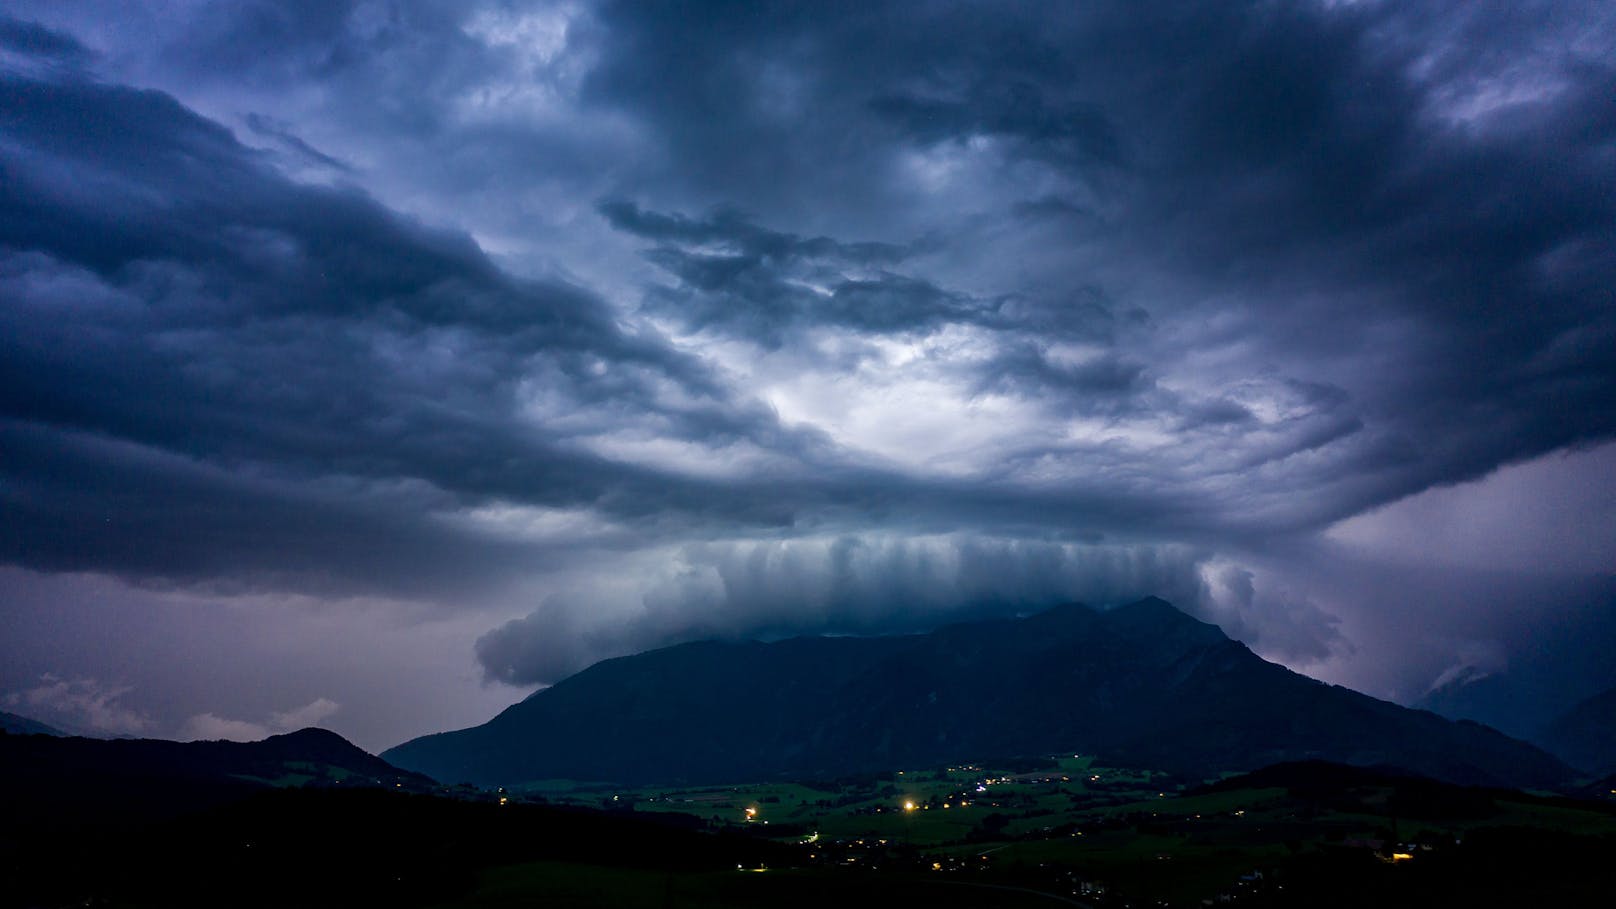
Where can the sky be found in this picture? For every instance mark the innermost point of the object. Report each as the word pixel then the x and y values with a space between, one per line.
pixel 372 364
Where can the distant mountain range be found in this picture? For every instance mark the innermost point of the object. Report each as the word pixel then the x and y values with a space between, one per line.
pixel 1142 685
pixel 1567 725
pixel 1558 661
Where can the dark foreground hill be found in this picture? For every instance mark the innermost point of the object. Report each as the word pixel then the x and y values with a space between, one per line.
pixel 303 819
pixel 330 847
pixel 1585 735
pixel 65 783
pixel 1143 684
pixel 1312 786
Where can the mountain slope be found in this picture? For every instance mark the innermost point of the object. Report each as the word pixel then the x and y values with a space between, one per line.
pixel 1554 663
pixel 1143 683
pixel 1585 735
pixel 21 725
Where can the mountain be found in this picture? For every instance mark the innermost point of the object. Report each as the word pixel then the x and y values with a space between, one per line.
pixel 1500 700
pixel 1585 735
pixel 66 782
pixel 21 725
pixel 1142 684
pixel 1559 659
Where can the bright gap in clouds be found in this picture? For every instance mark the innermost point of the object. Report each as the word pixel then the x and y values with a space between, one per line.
pixel 1552 515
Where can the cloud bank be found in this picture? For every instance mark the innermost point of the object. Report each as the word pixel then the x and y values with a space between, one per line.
pixel 207 727
pixel 739 320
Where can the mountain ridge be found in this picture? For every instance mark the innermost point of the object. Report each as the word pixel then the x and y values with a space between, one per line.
pixel 1143 683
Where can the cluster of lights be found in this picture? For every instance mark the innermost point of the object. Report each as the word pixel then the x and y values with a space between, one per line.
pixel 909 805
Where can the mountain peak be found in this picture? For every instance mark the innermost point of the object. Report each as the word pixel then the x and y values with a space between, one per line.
pixel 1143 683
pixel 1155 617
pixel 311 734
pixel 312 743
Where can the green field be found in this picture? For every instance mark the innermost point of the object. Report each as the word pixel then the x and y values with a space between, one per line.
pixel 925 808
pixel 1071 827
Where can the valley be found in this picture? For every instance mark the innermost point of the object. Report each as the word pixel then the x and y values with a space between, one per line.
pixel 308 820
pixel 1070 827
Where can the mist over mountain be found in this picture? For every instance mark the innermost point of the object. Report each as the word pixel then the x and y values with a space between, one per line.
pixel 1143 684
pixel 1539 673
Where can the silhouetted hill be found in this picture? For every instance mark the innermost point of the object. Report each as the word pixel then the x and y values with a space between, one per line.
pixel 330 847
pixel 302 819
pixel 1585 735
pixel 1316 785
pixel 1312 776
pixel 64 783
pixel 21 725
pixel 1143 684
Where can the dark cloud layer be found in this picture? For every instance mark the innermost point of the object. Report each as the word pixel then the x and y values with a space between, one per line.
pixel 176 306
pixel 1346 184
pixel 637 308
pixel 767 286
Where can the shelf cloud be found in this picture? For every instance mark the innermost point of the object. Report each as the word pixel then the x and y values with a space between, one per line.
pixel 600 326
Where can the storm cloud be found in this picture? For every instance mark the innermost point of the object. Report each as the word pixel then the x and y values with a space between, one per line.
pixel 841 585
pixel 609 325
